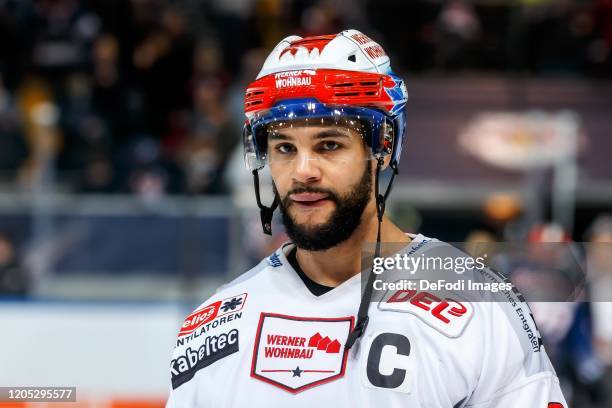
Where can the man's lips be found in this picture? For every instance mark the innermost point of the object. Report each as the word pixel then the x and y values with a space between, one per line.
pixel 309 199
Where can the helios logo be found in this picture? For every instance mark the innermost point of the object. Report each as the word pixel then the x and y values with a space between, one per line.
pixel 199 317
pixel 211 312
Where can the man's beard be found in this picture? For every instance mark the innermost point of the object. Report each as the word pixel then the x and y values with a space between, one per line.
pixel 343 221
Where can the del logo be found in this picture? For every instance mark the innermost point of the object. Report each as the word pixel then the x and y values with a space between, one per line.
pixel 211 312
pixel 448 316
pixel 297 353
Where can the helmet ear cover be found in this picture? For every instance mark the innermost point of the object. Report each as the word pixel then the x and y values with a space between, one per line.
pixel 254 156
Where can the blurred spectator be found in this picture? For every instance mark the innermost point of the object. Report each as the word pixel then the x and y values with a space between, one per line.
pixel 549 274
pixel 209 145
pixel 599 267
pixel 319 19
pixel 163 66
pixel 458 31
pixel 13 278
pixel 208 61
pixel 251 63
pixel 227 20
pixel 109 92
pixel 64 31
pixel 480 243
pixel 147 172
pixel 98 176
pixel 270 18
pixel 40 117
pixel 13 149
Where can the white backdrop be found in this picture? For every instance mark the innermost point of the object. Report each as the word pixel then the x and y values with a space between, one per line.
pixel 104 349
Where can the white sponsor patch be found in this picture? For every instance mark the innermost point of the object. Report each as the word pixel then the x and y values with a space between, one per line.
pixel 287 79
pixel 450 317
pixel 296 353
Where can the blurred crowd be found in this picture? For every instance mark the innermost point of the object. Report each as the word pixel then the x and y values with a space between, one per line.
pixel 569 289
pixel 145 96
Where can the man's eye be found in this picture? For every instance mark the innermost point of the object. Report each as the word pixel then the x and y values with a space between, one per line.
pixel 284 148
pixel 329 146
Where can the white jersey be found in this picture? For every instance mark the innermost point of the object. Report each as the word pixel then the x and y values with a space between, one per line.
pixel 265 340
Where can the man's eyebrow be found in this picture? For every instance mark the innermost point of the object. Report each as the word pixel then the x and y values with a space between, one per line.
pixel 331 133
pixel 278 136
pixel 320 135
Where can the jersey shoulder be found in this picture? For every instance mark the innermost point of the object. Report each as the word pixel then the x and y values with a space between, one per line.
pixel 496 315
pixel 232 297
pixel 227 300
pixel 212 331
pixel 456 299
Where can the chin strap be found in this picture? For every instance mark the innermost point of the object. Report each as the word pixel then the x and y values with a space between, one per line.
pixel 366 297
pixel 265 213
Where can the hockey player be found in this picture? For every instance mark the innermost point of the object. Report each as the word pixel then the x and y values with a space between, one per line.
pixel 326 114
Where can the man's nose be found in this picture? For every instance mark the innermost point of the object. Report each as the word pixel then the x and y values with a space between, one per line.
pixel 307 169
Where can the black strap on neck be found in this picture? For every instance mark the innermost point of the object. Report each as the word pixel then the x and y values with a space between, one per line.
pixel 265 213
pixel 366 297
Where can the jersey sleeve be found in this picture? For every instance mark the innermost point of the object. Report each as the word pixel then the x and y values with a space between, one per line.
pixel 170 401
pixel 516 371
pixel 540 390
pixel 184 362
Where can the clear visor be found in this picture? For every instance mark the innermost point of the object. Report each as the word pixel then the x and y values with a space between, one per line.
pixel 307 133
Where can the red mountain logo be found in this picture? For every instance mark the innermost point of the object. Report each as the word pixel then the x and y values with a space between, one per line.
pixel 324 343
pixel 279 346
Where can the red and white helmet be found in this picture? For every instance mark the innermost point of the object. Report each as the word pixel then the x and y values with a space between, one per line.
pixel 338 77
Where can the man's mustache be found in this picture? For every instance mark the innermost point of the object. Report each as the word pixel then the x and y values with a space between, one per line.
pixel 286 201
